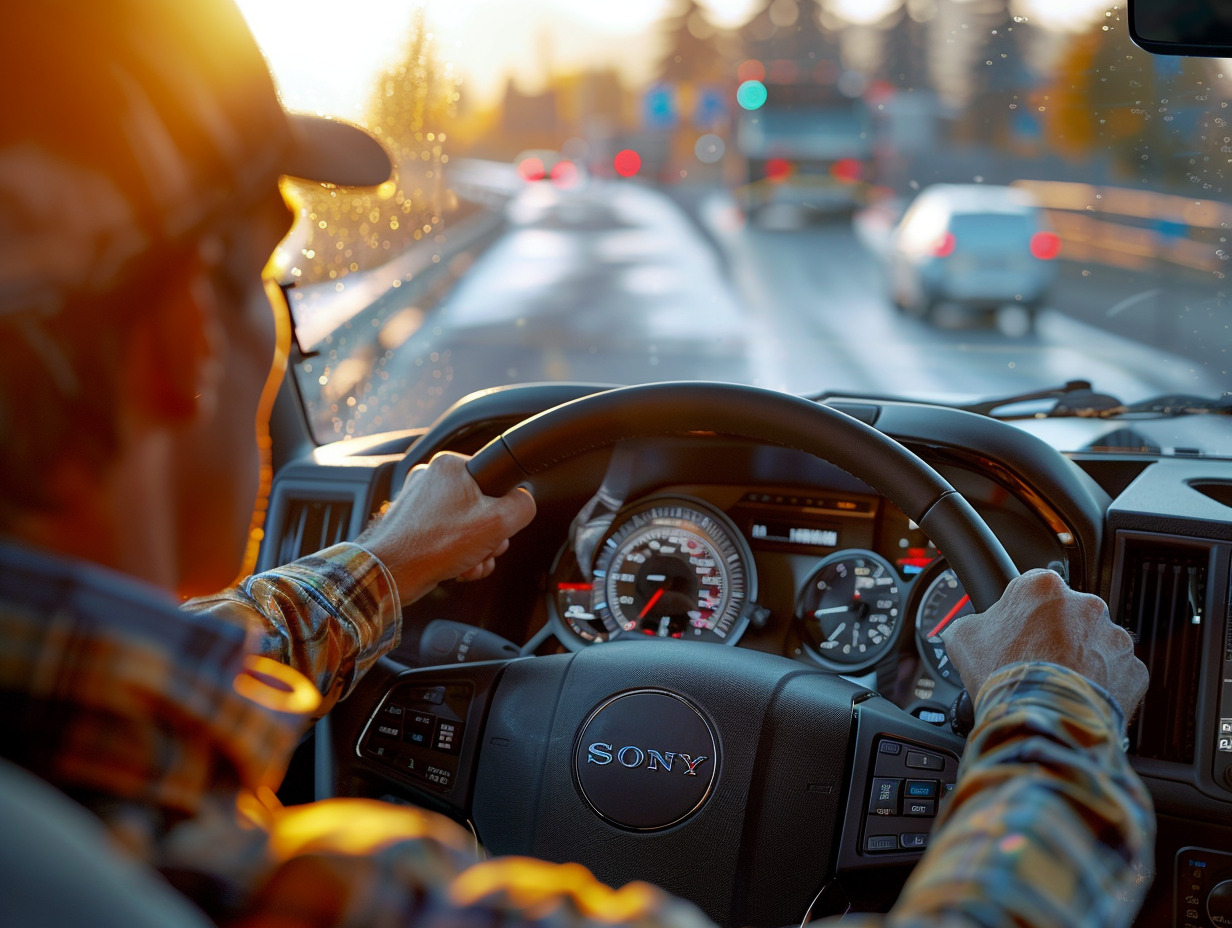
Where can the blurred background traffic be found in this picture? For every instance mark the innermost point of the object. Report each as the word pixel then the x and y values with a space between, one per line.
pixel 934 197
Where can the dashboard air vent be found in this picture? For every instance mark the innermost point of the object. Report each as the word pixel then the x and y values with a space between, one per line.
pixel 310 525
pixel 1163 601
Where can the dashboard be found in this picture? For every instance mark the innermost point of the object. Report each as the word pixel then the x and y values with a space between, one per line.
pixel 825 572
pixel 766 549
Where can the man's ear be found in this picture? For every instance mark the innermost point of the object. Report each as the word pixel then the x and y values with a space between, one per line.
pixel 177 348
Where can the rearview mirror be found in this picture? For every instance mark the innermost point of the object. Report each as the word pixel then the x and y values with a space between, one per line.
pixel 1201 28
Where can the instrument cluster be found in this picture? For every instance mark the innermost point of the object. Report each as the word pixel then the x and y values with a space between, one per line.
pixel 842 581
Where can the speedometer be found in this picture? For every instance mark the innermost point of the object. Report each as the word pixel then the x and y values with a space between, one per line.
pixel 674 568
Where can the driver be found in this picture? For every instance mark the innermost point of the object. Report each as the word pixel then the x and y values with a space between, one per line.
pixel 139 166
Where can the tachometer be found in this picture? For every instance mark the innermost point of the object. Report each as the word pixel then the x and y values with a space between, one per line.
pixel 850 608
pixel 944 601
pixel 674 568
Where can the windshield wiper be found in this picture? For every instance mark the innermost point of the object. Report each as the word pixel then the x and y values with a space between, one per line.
pixel 1075 399
pixel 1078 400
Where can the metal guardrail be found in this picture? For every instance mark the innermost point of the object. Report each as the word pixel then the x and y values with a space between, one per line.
pixel 1129 228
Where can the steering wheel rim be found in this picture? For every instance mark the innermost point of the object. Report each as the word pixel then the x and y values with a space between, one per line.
pixel 768 416
pixel 791 749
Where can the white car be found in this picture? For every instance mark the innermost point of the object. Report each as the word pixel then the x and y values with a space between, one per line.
pixel 977 246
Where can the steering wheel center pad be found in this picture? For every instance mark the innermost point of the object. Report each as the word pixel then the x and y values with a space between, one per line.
pixel 651 410
pixel 768 821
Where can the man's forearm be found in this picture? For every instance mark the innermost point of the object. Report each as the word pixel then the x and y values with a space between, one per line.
pixel 329 615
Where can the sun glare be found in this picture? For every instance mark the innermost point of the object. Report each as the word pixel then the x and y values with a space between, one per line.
pixel 326 62
pixel 323 61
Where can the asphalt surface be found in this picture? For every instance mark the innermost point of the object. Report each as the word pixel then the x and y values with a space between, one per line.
pixel 617 283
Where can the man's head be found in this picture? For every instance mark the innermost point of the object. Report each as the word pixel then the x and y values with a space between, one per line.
pixel 140 154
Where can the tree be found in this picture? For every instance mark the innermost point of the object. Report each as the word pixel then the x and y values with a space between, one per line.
pixel 342 231
pixel 903 61
pixel 789 31
pixel 1148 116
pixel 694 53
pixel 1000 75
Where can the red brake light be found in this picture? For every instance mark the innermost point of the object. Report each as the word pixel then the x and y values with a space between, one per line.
pixel 531 169
pixel 627 162
pixel 564 174
pixel 778 170
pixel 847 170
pixel 1045 245
pixel 944 246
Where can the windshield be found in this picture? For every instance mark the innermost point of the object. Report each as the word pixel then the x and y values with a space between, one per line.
pixel 933 199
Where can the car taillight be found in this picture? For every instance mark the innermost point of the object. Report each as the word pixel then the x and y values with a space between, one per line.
pixel 847 170
pixel 627 162
pixel 778 170
pixel 564 174
pixel 1045 245
pixel 531 169
pixel 944 246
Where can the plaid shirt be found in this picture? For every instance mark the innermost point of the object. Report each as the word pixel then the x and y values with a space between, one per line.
pixel 174 725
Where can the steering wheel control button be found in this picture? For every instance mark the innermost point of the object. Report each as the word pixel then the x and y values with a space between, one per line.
pixel 646 759
pixel 922 761
pixel 419 726
pixel 900 801
pixel 885 796
pixel 389 730
pixel 417 732
pixel 448 736
pixel 921 789
pixel 881 843
pixel 920 808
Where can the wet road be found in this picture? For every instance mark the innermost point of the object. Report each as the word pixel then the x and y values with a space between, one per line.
pixel 615 283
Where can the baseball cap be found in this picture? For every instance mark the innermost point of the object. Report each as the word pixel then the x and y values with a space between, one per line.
pixel 129 126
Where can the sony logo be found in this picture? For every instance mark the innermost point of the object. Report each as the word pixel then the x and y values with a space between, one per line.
pixel 602 753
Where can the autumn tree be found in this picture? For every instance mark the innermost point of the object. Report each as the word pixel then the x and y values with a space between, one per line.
pixel 1148 116
pixel 342 231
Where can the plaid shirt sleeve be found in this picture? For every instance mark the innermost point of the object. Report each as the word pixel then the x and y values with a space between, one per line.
pixel 329 615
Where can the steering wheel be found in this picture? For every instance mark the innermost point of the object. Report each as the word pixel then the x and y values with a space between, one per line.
pixel 736 779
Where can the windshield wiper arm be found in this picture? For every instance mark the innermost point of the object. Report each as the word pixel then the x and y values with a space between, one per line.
pixel 1073 398
pixel 1181 404
pixel 1076 399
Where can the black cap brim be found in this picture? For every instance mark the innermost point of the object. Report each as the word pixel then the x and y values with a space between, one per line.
pixel 335 152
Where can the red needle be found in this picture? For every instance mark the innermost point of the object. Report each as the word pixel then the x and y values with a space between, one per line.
pixel 650 602
pixel 949 616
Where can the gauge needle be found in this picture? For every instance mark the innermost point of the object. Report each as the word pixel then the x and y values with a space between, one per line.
pixel 833 609
pixel 949 616
pixel 650 602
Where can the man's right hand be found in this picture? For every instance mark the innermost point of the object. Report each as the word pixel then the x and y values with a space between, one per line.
pixel 442 527
pixel 1039 618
